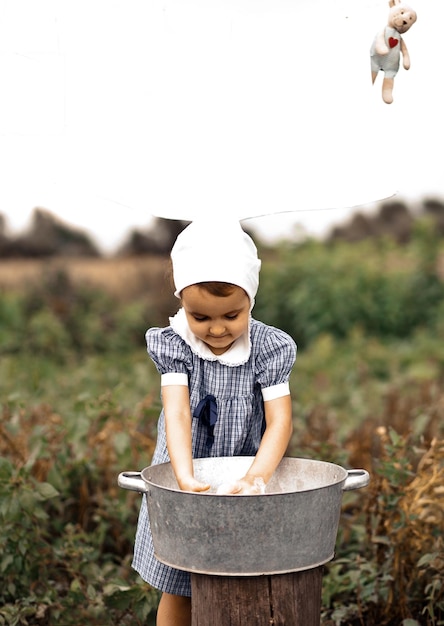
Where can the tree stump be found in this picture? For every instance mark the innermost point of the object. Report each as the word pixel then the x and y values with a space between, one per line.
pixel 292 599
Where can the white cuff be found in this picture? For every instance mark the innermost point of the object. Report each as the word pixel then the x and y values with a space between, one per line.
pixel 173 378
pixel 277 391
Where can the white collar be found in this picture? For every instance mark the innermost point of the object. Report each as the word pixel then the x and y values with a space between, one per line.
pixel 237 354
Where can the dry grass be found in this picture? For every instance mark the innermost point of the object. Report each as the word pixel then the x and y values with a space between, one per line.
pixel 123 278
pixel 415 529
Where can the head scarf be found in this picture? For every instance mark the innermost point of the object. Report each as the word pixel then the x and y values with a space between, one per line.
pixel 207 251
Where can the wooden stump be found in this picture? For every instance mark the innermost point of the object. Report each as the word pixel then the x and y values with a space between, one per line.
pixel 284 599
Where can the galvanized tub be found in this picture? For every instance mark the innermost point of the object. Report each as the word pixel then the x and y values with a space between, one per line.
pixel 291 527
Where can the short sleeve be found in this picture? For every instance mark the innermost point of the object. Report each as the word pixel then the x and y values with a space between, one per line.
pixel 168 351
pixel 275 361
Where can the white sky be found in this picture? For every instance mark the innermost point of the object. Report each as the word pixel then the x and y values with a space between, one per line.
pixel 115 110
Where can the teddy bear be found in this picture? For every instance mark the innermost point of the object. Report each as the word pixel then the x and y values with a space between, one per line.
pixel 388 46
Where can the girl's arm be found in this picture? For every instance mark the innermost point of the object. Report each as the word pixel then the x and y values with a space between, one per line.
pixel 279 427
pixel 176 404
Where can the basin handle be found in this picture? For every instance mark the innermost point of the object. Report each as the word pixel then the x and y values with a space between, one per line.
pixel 356 479
pixel 132 481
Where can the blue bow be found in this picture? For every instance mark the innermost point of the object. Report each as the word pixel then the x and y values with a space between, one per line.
pixel 206 411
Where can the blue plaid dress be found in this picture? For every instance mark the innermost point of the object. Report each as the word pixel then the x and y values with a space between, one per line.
pixel 240 421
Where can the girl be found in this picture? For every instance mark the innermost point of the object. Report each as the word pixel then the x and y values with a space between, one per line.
pixel 224 381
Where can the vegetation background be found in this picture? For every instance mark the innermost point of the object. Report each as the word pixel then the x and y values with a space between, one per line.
pixel 80 400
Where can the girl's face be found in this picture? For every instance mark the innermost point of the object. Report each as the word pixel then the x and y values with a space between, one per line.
pixel 217 321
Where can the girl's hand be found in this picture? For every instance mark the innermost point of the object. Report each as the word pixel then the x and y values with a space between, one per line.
pixel 191 484
pixel 247 486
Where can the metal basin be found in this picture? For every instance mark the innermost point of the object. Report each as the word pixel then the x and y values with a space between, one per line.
pixel 292 527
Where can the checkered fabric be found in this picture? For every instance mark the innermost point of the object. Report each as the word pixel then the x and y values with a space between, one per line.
pixel 239 426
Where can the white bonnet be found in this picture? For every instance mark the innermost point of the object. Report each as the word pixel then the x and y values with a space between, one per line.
pixel 209 251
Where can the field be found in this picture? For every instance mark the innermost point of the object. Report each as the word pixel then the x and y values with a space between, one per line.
pixel 122 278
pixel 80 398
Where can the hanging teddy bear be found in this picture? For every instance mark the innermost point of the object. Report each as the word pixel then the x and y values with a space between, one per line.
pixel 388 46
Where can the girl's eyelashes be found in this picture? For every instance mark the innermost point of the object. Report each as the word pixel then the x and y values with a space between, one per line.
pixel 204 318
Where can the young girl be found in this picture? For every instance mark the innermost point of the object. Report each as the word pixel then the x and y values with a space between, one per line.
pixel 224 381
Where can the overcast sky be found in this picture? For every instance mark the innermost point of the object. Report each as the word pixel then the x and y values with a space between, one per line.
pixel 116 110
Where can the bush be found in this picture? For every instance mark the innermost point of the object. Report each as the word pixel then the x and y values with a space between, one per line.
pixel 55 317
pixel 308 290
pixel 67 530
pixel 389 567
pixel 12 323
pixel 313 289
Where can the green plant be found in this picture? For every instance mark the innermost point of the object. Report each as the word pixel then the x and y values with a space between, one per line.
pixel 67 529
pixel 313 289
pixel 390 563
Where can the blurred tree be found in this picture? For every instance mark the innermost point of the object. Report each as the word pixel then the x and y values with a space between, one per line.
pixel 48 236
pixel 158 239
